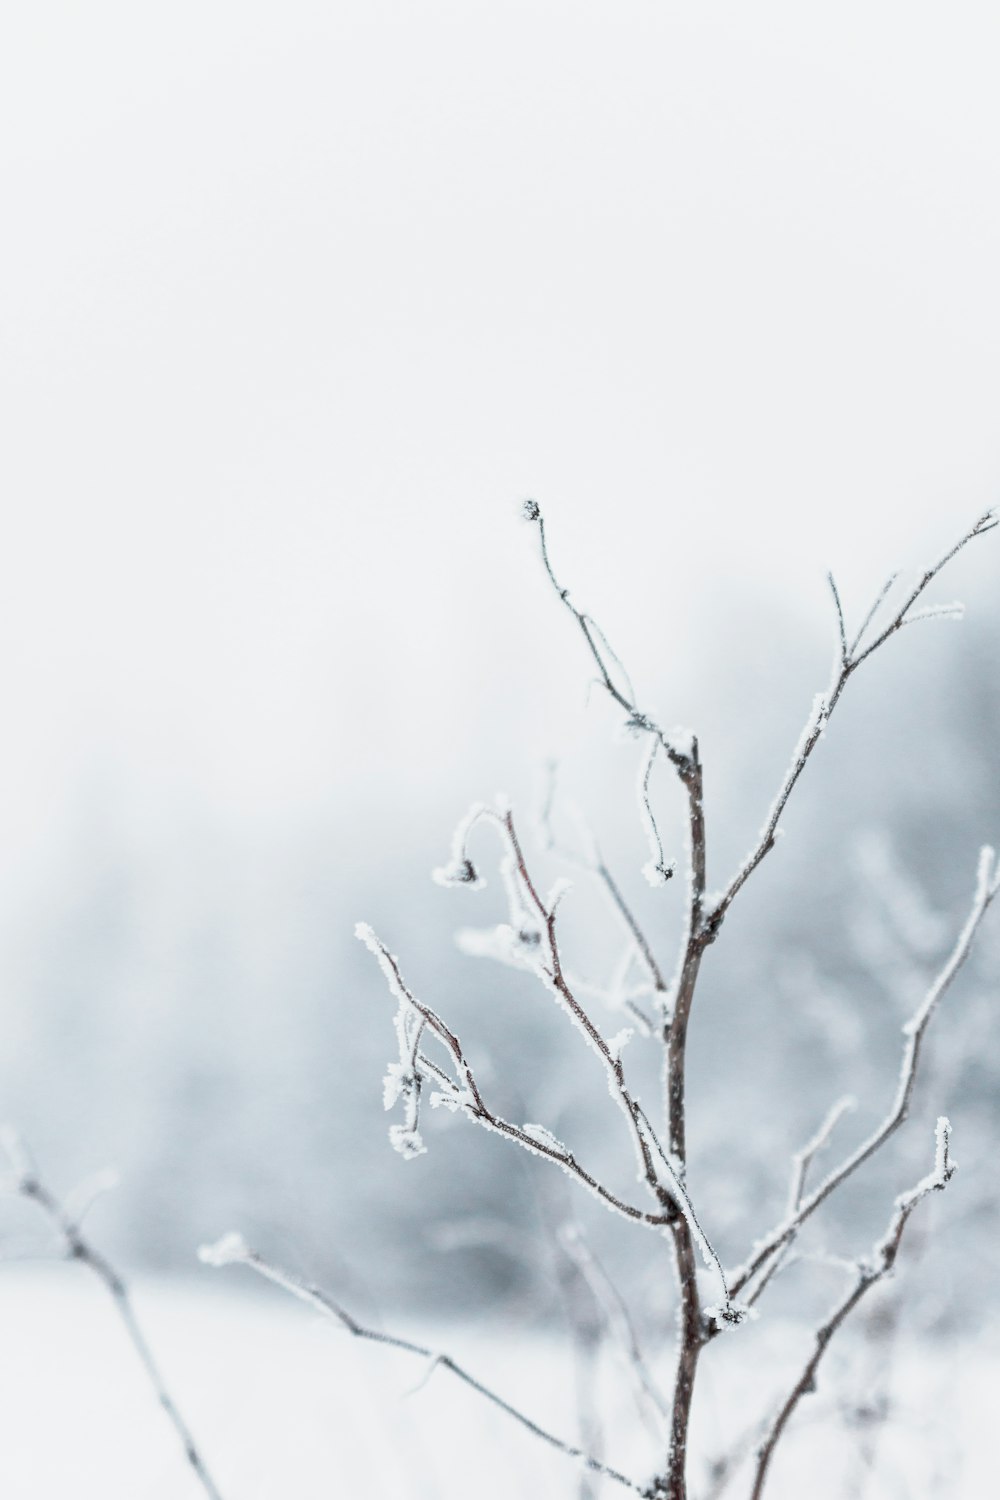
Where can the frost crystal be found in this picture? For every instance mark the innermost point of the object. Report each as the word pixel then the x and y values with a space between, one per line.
pixel 732 1315
pixel 619 1041
pixel 518 949
pixel 460 870
pixel 407 1141
pixel 545 1138
pixel 397 1084
pixel 229 1251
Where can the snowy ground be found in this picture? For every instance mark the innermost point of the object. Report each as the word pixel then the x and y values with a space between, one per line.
pixel 284 1407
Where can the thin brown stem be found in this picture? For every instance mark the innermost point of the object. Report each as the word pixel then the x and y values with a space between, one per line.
pixel 77 1247
pixel 847 664
pixel 231 1250
pixel 987 887
pixel 869 1273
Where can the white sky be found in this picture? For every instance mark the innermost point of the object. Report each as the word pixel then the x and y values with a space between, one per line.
pixel 299 301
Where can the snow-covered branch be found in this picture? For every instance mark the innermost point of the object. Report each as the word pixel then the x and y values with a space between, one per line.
pixel 466 1095
pixel 849 659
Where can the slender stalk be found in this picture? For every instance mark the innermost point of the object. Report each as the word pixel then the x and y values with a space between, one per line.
pixel 232 1250
pixel 868 1274
pixel 987 889
pixel 79 1248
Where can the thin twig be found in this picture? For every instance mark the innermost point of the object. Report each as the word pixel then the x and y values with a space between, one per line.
pixel 637 720
pixel 873 610
pixel 868 1273
pixel 801 1162
pixel 987 887
pixel 824 705
pixel 232 1250
pixel 839 608
pixel 76 1247
pixel 469 1098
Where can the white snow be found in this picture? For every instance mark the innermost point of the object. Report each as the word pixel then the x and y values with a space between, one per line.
pixel 282 1404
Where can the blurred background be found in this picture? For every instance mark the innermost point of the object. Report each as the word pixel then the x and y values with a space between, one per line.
pixel 299 303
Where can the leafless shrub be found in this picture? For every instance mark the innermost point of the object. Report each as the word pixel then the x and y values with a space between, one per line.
pixel 432 1064
pixel 432 1067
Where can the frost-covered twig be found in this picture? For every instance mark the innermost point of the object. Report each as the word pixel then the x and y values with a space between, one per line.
pixel 464 1094
pixel 595 639
pixel 701 927
pixel 868 1273
pixel 801 1162
pixel 76 1247
pixel 662 1175
pixel 849 659
pixel 987 887
pixel 233 1250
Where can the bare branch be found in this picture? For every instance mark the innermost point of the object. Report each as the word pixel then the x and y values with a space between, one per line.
pixel 232 1250
pixel 656 869
pixel 824 705
pixel 841 627
pixel 75 1247
pixel 868 1273
pixel 625 699
pixel 470 1100
pixel 662 1175
pixel 876 605
pixel 986 522
pixel 801 1162
pixel 987 886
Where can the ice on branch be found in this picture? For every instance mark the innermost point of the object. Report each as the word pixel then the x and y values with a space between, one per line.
pixel 560 889
pixel 543 1137
pixel 953 611
pixel 620 1040
pixel 518 949
pixel 729 1316
pixel 460 870
pixel 448 1096
pixel 397 1084
pixel 656 869
pixel 402 1078
pixel 407 1140
pixel 231 1250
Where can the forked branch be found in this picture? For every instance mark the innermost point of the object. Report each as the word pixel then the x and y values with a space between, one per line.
pixel 867 1274
pixel 987 888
